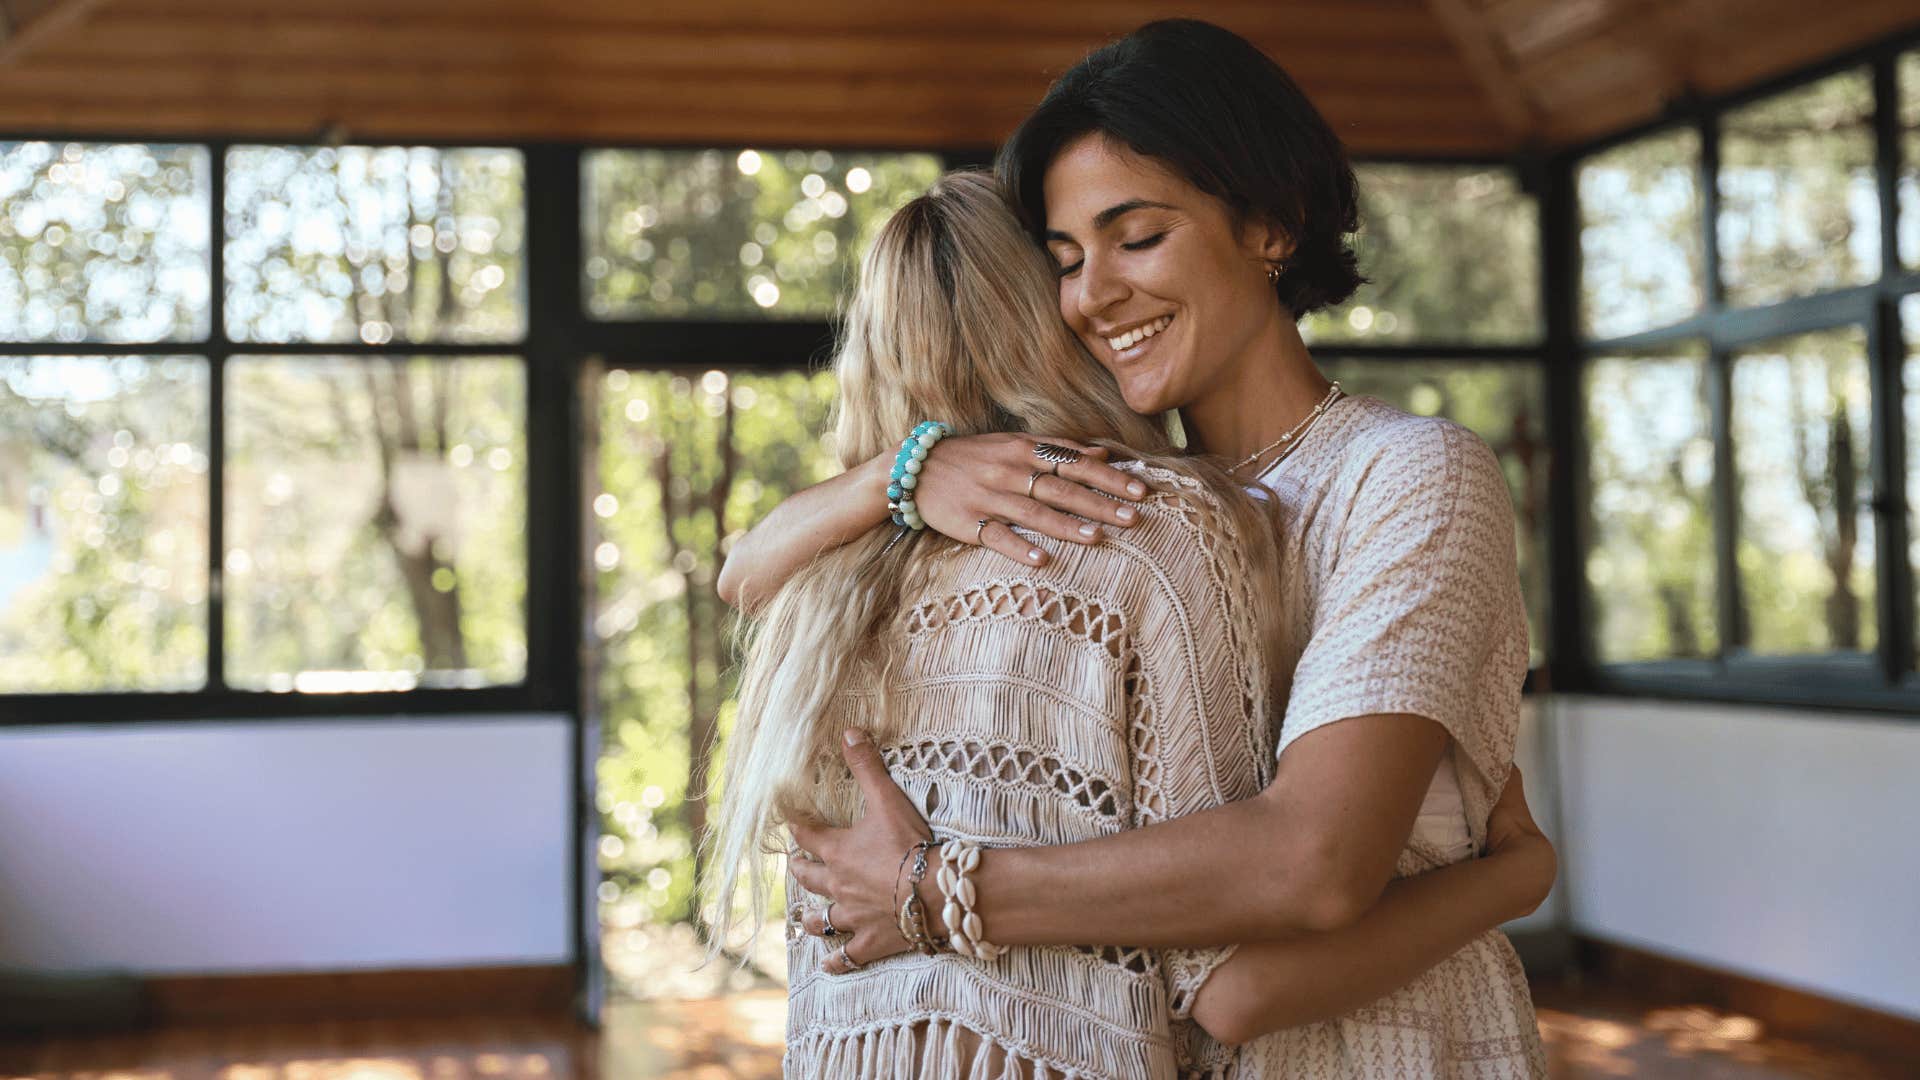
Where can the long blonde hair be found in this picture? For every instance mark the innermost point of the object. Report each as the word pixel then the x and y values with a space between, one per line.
pixel 955 318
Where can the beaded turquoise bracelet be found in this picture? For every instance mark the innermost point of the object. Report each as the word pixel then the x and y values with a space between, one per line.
pixel 905 475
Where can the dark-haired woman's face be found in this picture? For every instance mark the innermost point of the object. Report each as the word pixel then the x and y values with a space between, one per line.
pixel 1155 277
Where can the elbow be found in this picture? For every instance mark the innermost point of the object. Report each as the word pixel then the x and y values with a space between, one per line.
pixel 1232 1019
pixel 1328 891
pixel 1228 1006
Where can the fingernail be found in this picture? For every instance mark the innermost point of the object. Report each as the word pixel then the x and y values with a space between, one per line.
pixel 1125 513
pixel 854 736
pixel 1035 555
pixel 1136 490
pixel 1089 531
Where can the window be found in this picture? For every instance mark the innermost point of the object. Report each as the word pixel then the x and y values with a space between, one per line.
pixel 1799 210
pixel 376 512
pixel 1801 440
pixel 375 244
pixel 1735 537
pixel 1650 562
pixel 370 508
pixel 1642 263
pixel 1452 254
pixel 103 242
pixel 717 234
pixel 1908 177
pixel 103 523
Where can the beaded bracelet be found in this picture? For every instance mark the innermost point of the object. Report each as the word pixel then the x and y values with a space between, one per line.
pixel 965 931
pixel 905 475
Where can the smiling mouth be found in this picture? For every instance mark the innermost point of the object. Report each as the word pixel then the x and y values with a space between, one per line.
pixel 1139 334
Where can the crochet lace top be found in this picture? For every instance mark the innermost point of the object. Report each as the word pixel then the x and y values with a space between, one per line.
pixel 1117 686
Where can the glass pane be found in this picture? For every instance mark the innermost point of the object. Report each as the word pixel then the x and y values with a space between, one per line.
pixel 1453 254
pixel 1503 404
pixel 1910 375
pixel 1650 562
pixel 104 242
pixel 720 234
pixel 1799 209
pixel 687 461
pixel 103 523
pixel 376 523
pixel 1908 75
pixel 375 244
pixel 1802 435
pixel 1641 250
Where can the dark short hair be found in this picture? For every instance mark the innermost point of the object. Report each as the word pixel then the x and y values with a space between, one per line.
pixel 1220 113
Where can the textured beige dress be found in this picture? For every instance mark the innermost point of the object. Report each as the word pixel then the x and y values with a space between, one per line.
pixel 1118 686
pixel 1401 578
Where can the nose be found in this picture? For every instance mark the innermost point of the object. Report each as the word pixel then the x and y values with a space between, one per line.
pixel 1100 287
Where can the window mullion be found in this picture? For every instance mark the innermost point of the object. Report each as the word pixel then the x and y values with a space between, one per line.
pixel 218 348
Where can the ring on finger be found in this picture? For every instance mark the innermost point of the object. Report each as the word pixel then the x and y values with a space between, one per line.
pixel 1057 454
pixel 1034 479
pixel 980 529
pixel 826 921
pixel 846 961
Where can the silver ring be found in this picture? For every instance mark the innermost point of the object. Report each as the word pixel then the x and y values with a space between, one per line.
pixel 979 529
pixel 826 921
pixel 1058 455
pixel 1034 479
pixel 850 962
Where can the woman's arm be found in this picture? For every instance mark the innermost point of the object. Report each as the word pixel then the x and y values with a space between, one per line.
pixel 966 478
pixel 1419 922
pixel 1311 852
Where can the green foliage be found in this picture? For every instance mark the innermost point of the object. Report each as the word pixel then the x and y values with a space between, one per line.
pixel 375 244
pixel 103 242
pixel 1643 263
pixel 103 523
pixel 687 461
pixel 1452 254
pixel 673 233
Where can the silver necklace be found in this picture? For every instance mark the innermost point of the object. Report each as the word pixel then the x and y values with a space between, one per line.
pixel 1287 441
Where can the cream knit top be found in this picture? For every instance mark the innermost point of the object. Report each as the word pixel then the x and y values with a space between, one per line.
pixel 1402 589
pixel 1117 686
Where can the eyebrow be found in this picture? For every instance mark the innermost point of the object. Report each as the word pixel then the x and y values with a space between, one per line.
pixel 1112 214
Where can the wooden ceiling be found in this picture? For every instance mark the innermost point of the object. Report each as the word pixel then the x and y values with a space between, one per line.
pixel 1466 77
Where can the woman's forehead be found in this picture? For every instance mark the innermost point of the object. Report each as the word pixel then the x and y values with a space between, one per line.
pixel 1094 174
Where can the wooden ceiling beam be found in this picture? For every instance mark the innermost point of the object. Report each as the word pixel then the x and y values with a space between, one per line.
pixel 350 43
pixel 1088 22
pixel 405 123
pixel 28 24
pixel 1487 59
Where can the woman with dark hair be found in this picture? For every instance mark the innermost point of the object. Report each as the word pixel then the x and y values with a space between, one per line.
pixel 1195 206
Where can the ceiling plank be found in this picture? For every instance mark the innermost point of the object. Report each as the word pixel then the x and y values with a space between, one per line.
pixel 1488 61
pixel 31 23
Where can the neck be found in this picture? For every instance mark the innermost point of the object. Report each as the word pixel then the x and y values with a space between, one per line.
pixel 1271 387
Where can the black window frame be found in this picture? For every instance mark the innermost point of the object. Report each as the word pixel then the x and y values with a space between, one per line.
pixel 1886 685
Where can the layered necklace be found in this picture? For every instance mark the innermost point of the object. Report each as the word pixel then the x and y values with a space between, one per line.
pixel 1286 443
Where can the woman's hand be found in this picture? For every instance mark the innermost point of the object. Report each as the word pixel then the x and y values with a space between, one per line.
pixel 1512 836
pixel 859 867
pixel 969 477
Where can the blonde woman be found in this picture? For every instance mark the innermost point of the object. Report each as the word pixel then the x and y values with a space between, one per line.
pixel 1115 686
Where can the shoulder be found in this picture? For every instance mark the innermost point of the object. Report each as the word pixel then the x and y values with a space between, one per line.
pixel 1168 553
pixel 1392 460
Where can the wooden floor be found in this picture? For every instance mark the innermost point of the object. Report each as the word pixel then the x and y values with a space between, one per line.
pixel 1589 1032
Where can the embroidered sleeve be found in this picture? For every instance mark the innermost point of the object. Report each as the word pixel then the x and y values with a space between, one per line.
pixel 1421 611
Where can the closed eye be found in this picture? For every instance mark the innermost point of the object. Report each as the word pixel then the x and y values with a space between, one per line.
pixel 1066 271
pixel 1142 245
